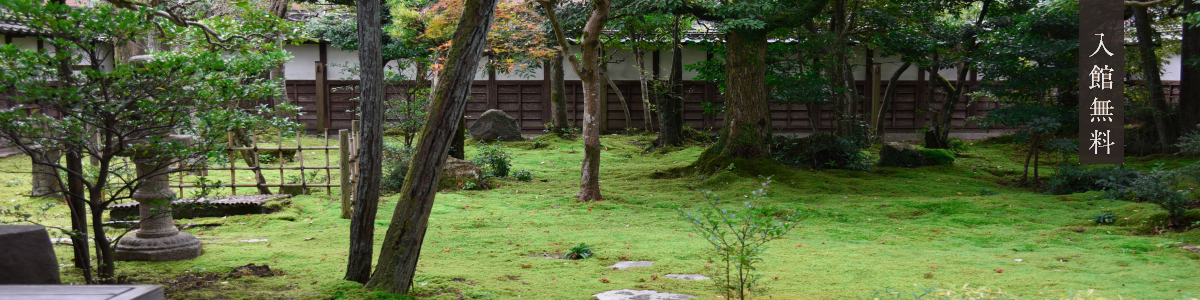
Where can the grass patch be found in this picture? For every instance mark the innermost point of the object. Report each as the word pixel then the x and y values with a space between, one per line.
pixel 865 232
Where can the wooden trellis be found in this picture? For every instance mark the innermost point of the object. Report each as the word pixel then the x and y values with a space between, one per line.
pixel 347 162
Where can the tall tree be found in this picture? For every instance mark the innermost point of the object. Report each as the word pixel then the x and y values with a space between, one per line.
pixel 1189 79
pixel 370 168
pixel 402 246
pixel 746 27
pixel 1152 75
pixel 588 69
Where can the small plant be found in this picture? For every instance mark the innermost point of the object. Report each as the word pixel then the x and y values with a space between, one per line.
pixel 987 192
pixel 737 240
pixel 205 187
pixel 11 182
pixel 469 186
pixel 580 251
pixel 1189 144
pixel 523 175
pixel 396 158
pixel 957 145
pixel 494 159
pixel 537 144
pixel 1105 218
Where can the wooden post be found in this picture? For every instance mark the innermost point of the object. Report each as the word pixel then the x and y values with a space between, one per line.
pixel 354 140
pixel 493 93
pixel 328 176
pixel 344 171
pixel 322 97
pixel 232 166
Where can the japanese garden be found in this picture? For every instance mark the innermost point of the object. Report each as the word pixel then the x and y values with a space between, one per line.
pixel 600 149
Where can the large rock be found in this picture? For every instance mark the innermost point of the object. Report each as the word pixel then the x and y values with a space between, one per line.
pixel 495 125
pixel 26 256
pixel 897 154
pixel 45 178
pixel 461 174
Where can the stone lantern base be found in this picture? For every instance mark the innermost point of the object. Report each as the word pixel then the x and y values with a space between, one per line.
pixel 181 246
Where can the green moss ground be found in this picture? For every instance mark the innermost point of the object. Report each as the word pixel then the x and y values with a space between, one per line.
pixel 866 231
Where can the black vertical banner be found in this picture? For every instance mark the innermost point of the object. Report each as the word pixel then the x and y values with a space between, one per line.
pixel 1101 82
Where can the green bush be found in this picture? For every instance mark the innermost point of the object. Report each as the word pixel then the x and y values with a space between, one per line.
pixel 580 251
pixel 1189 144
pixel 893 157
pixel 1074 178
pixel 396 158
pixel 494 159
pixel 523 175
pixel 820 151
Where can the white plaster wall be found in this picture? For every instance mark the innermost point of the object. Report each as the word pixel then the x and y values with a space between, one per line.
pixel 302 66
pixel 25 42
pixel 343 59
pixel 1173 68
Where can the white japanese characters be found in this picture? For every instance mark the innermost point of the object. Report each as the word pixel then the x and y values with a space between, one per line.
pixel 1100 140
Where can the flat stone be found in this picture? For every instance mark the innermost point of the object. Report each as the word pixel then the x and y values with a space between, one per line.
pixel 640 295
pixel 254 240
pixel 554 256
pixel 688 276
pixel 630 264
pixel 81 292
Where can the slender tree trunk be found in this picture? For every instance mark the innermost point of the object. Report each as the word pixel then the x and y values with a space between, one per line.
pixel 620 96
pixel 1149 61
pixel 670 105
pixel 402 246
pixel 1189 79
pixel 939 136
pixel 242 137
pixel 278 8
pixel 593 82
pixel 888 94
pixel 639 57
pixel 558 95
pixel 747 129
pixel 77 204
pixel 105 269
pixel 366 195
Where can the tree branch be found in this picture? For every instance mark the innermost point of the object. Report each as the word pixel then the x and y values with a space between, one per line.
pixel 1145 4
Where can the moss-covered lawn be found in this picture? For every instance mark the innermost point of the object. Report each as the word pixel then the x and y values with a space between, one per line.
pixel 865 232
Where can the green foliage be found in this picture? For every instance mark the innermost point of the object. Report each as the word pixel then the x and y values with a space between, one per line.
pixel 1163 188
pixel 821 151
pixel 494 159
pixel 205 187
pixel 1189 144
pixel 579 251
pixel 523 176
pixel 406 116
pixel 1075 178
pixel 737 238
pixel 958 146
pixel 1105 218
pixel 396 158
pixel 987 192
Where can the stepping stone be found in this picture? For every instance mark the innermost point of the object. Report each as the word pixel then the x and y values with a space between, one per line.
pixel 640 295
pixel 254 240
pixel 687 276
pixel 630 264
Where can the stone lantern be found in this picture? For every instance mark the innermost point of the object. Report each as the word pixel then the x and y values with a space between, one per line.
pixel 157 239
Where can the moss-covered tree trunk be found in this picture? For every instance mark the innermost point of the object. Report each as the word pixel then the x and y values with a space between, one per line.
pixel 670 105
pixel 746 132
pixel 402 245
pixel 370 168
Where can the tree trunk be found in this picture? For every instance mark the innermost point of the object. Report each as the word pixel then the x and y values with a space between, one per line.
pixel 747 129
pixel 593 82
pixel 670 105
pixel 888 94
pixel 1149 61
pixel 77 203
pixel 620 96
pixel 278 8
pixel 402 245
pixel 366 194
pixel 558 95
pixel 1189 79
pixel 242 137
pixel 458 148
pixel 639 57
pixel 105 269
pixel 938 137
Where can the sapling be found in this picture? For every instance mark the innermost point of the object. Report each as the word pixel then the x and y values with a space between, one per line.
pixel 737 240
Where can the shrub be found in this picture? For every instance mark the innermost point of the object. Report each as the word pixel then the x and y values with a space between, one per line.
pixel 1074 178
pixel 893 155
pixel 937 157
pixel 396 158
pixel 523 175
pixel 821 151
pixel 1159 187
pixel 737 240
pixel 580 251
pixel 494 159
pixel 1105 218
pixel 1189 144
pixel 957 145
